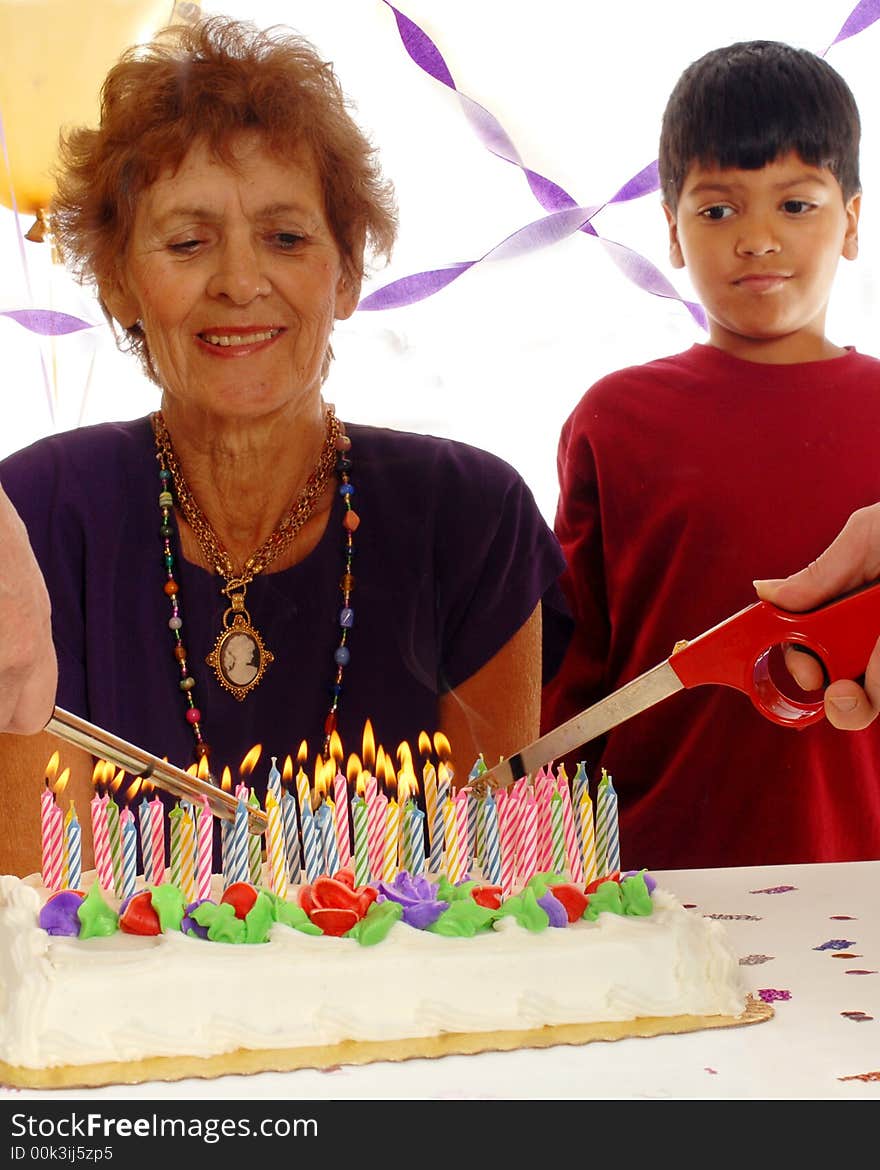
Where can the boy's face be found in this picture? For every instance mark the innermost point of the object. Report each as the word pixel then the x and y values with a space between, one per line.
pixel 762 248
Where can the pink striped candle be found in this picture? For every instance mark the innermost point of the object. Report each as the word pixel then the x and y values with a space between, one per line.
pixel 545 840
pixel 462 831
pixel 507 841
pixel 51 825
pixel 204 849
pixel 101 843
pixel 157 839
pixel 527 855
pixel 340 819
pixel 376 803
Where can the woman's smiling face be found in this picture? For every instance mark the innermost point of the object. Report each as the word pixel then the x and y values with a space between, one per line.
pixel 236 278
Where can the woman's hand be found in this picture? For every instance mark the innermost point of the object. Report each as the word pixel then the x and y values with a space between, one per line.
pixel 852 559
pixel 28 667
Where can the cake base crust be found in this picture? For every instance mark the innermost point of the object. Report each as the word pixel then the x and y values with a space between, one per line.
pixel 246 1061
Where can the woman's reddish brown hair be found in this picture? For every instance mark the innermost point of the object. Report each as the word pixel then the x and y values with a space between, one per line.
pixel 209 81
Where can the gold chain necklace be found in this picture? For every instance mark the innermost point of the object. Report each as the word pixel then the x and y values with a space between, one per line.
pixel 240 657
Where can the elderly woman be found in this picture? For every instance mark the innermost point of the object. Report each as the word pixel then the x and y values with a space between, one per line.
pixel 240 568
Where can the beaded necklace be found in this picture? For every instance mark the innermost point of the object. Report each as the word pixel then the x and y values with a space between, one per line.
pixel 338 445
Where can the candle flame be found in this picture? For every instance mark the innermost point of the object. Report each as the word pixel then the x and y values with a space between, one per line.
pixel 61 783
pixel 250 760
pixel 287 771
pixel 441 746
pixel 204 769
pixel 134 788
pixel 52 768
pixel 404 757
pixel 425 745
pixel 116 782
pixel 301 753
pixel 226 779
pixel 386 773
pixel 336 752
pixel 369 746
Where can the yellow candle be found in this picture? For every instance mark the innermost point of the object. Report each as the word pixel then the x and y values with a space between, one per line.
pixel 392 841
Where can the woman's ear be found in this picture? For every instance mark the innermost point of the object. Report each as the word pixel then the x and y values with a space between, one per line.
pixel 121 304
pixel 676 259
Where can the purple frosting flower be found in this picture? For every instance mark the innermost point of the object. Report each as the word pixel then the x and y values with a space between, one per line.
pixel 58 915
pixel 417 896
pixel 554 909
pixel 188 925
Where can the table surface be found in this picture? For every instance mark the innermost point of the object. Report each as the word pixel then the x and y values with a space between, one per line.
pixel 808 937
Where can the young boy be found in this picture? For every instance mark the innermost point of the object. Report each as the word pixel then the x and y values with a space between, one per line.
pixel 684 479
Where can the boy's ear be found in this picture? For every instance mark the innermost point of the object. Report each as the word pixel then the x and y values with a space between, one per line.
pixel 853 208
pixel 676 259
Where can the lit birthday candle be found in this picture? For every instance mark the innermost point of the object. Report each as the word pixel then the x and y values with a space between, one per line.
pixel 452 852
pixel 392 841
pixel 313 853
pixel 157 839
pixel 361 843
pixel 326 826
pixel 438 833
pixel 101 842
pixel 174 819
pixel 255 846
pixel 52 844
pixel 276 859
pixel 73 847
pixel 289 824
pixel 128 848
pixel 429 787
pixel 144 828
pixel 237 847
pixel 273 784
pixel 204 849
pixel 340 819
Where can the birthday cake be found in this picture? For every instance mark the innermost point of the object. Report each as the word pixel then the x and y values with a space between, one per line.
pixel 94 990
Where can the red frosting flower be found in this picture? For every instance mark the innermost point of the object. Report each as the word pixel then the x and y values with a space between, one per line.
pixel 334 903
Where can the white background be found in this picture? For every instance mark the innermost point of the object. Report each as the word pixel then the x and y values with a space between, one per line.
pixel 501 355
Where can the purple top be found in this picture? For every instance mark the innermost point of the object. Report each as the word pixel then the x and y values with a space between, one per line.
pixel 451 557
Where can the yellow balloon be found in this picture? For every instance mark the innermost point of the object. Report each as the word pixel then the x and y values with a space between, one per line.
pixel 55 56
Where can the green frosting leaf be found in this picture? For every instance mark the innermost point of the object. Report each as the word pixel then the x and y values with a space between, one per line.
pixel 259 920
pixel 376 923
pixel 447 892
pixel 96 919
pixel 637 898
pixel 539 882
pixel 608 898
pixel 168 903
pixel 220 921
pixel 463 919
pixel 525 909
pixel 293 915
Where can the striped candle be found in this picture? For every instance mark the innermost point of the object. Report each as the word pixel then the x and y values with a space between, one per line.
pixel 73 847
pixel 607 839
pixel 146 840
pixel 556 834
pixel 588 837
pixel 377 804
pixel 187 858
pixel 313 854
pixel 204 849
pixel 101 843
pixel 128 850
pixel 276 859
pixel 438 832
pixel 507 841
pixel 51 826
pixel 174 818
pixel 361 844
pixel 303 794
pixel 291 836
pixel 115 839
pixel 429 785
pixel 273 784
pixel 326 825
pixel 491 841
pixel 572 844
pixel 157 836
pixel 545 835
pixel 450 840
pixel 391 843
pixel 527 853
pixel 340 818
pixel 237 855
pixel 462 829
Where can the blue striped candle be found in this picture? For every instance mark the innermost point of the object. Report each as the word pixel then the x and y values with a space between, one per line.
pixel 607 838
pixel 291 836
pixel 128 845
pixel 491 842
pixel 73 845
pixel 327 832
pixel 313 855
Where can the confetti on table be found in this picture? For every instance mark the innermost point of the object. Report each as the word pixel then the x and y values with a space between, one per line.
pixel 735 917
pixel 835 944
pixel 755 960
pixel 868 1076
pixel 774 890
pixel 857 1017
pixel 771 994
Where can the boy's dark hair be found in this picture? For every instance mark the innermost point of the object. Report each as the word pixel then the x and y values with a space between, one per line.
pixel 748 103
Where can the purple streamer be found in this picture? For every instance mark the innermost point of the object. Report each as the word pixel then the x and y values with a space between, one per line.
pixel 47 322
pixel 862 16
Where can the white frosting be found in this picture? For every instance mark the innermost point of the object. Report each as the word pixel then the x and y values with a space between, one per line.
pixel 69 1001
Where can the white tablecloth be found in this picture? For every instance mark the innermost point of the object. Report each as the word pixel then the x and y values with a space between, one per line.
pixel 808 937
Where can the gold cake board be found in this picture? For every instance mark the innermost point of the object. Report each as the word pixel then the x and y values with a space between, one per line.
pixel 245 1061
